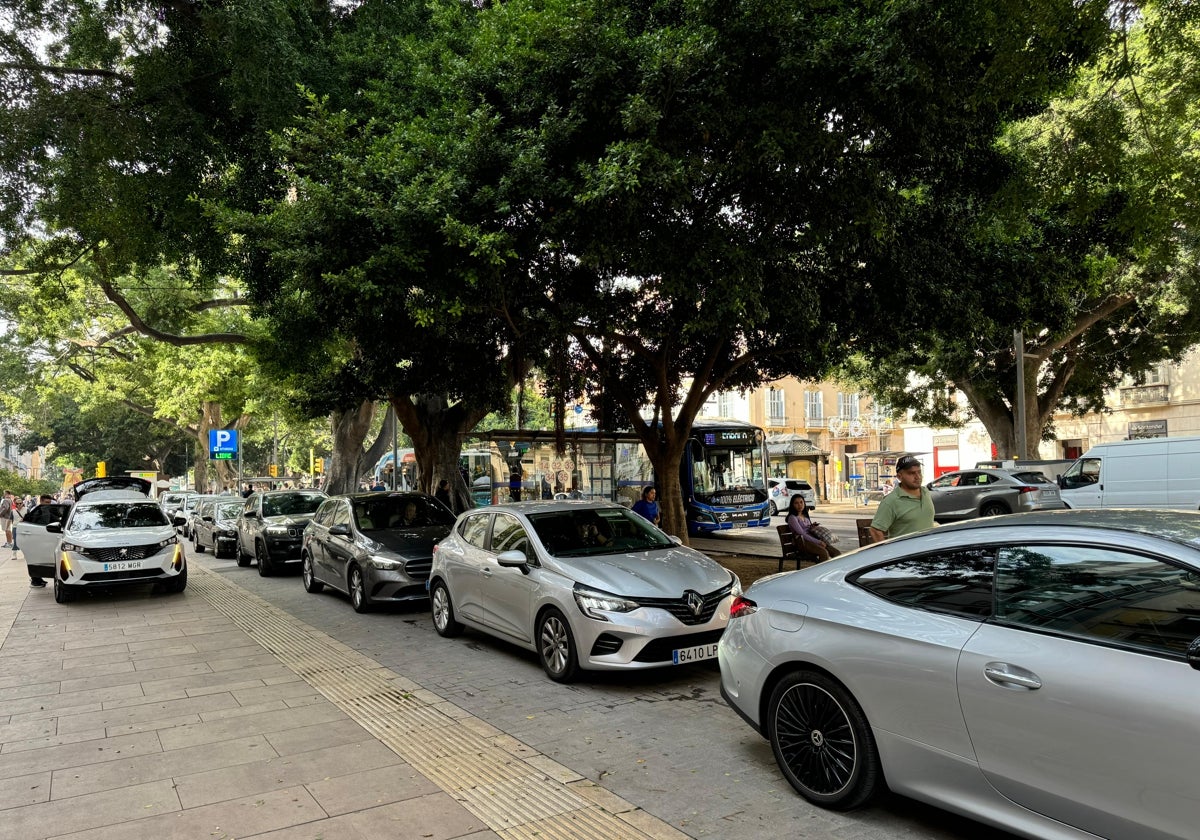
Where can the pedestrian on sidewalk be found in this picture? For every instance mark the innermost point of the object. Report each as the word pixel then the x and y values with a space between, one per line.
pixel 906 510
pixel 7 509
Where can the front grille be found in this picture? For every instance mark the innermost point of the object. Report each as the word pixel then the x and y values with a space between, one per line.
pixel 659 650
pixel 128 552
pixel 605 644
pixel 419 569
pixel 679 607
pixel 130 574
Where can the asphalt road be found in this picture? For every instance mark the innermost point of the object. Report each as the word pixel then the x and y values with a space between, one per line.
pixel 663 740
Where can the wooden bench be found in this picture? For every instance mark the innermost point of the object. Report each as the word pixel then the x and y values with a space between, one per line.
pixel 864 531
pixel 792 550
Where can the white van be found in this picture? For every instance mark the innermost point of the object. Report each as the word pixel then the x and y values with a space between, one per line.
pixel 1147 473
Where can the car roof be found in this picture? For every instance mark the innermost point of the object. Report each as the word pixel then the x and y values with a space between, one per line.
pixel 550 506
pixel 1181 526
pixel 308 491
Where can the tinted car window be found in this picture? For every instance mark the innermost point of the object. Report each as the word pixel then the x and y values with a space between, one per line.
pixel 474 529
pixel 288 504
pixel 958 582
pixel 1103 594
pixel 950 480
pixel 340 515
pixel 134 515
pixel 45 514
pixel 1032 478
pixel 569 533
pixel 325 512
pixel 794 484
pixel 251 503
pixel 508 535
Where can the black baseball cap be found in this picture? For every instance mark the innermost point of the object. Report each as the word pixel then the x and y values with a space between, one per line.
pixel 907 462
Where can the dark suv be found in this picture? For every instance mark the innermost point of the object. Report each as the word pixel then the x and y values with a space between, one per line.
pixel 270 527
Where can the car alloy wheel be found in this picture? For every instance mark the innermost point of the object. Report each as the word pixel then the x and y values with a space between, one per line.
pixel 443 611
pixel 358 594
pixel 774 509
pixel 993 509
pixel 62 593
pixel 311 584
pixel 264 560
pixel 243 559
pixel 822 741
pixel 556 647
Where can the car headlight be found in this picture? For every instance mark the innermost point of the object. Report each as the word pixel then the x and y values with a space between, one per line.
pixel 277 530
pixel 168 541
pixel 595 604
pixel 386 564
pixel 78 549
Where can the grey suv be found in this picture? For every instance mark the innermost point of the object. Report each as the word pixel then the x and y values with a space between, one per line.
pixel 966 494
pixel 271 526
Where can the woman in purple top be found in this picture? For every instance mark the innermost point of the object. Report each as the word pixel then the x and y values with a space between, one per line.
pixel 801 525
pixel 647 506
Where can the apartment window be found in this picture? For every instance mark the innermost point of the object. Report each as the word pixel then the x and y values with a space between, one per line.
pixel 848 406
pixel 775 413
pixel 814 408
pixel 724 404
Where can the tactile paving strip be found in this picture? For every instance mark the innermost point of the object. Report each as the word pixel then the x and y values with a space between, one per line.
pixel 489 772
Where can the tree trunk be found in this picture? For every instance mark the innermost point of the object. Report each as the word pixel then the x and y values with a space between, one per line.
pixel 437 428
pixel 350 427
pixel 383 442
pixel 666 459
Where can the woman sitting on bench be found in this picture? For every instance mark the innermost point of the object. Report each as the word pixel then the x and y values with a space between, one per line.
pixel 801 525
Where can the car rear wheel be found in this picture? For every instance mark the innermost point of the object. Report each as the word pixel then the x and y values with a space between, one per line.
pixel 822 741
pixel 63 594
pixel 359 599
pixel 443 611
pixel 556 647
pixel 993 509
pixel 265 568
pixel 311 584
pixel 199 545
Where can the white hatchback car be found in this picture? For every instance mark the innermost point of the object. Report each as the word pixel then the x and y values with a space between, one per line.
pixel 115 535
pixel 781 490
pixel 584 584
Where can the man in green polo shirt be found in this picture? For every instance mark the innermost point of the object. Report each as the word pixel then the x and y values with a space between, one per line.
pixel 906 510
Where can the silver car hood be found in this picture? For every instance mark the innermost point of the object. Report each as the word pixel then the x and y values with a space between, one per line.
pixel 662 573
pixel 117 537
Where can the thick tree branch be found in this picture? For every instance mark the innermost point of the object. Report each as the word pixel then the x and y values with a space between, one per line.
pixel 54 70
pixel 141 326
pixel 1084 322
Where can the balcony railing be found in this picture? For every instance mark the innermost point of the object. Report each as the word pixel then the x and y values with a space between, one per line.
pixel 1145 394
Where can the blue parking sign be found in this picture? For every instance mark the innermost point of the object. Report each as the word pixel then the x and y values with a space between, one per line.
pixel 221 441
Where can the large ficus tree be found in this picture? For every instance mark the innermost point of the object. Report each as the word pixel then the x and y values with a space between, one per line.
pixel 1089 248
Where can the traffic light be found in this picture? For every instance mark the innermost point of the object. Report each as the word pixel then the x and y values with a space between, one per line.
pixel 273 470
pixel 320 466
pixel 101 469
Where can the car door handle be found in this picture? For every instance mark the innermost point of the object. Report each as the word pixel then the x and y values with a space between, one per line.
pixel 1005 674
pixel 486 571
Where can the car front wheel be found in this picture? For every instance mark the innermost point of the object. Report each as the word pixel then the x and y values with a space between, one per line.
pixel 63 594
pixel 243 559
pixel 774 509
pixel 556 647
pixel 311 584
pixel 822 741
pixel 264 559
pixel 359 599
pixel 443 611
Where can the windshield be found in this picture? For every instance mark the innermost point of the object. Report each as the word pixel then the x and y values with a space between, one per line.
pixel 389 512
pixel 577 533
pixel 133 515
pixel 291 504
pixel 727 466
pixel 229 510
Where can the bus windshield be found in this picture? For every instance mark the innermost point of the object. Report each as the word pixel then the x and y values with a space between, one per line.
pixel 730 467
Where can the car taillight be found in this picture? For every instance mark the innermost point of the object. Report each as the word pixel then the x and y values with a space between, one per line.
pixel 742 606
pixel 1025 489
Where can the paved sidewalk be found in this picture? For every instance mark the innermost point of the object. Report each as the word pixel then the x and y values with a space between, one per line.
pixel 213 714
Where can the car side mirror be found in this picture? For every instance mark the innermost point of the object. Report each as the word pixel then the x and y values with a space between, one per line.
pixel 340 530
pixel 674 539
pixel 54 528
pixel 513 560
pixel 207 518
pixel 251 514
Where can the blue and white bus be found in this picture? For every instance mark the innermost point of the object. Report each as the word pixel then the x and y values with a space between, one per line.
pixel 722 475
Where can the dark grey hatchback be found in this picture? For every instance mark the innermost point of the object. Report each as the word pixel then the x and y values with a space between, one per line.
pixel 375 547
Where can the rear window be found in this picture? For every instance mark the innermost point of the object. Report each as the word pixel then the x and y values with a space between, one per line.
pixel 796 484
pixel 1032 478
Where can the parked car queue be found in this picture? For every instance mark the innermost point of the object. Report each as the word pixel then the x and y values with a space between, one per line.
pixel 1000 668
